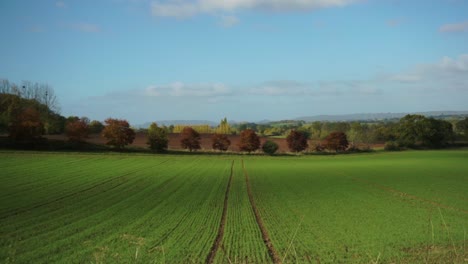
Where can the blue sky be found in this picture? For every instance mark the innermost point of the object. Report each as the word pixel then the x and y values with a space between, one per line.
pixel 246 60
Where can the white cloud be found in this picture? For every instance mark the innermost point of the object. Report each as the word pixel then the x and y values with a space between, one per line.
pixel 436 86
pixel 458 65
pixel 275 91
pixel 86 27
pixel 347 88
pixel 229 21
pixel 180 89
pixel 152 90
pixel 406 78
pixel 280 88
pixel 449 74
pixel 186 8
pixel 456 27
pixel 177 10
pixel 321 88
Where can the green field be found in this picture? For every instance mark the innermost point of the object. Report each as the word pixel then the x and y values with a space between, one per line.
pixel 406 207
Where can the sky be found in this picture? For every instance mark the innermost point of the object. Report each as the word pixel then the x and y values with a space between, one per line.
pixel 247 60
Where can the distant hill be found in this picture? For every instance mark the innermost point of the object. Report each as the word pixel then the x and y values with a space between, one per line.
pixel 378 116
pixel 348 117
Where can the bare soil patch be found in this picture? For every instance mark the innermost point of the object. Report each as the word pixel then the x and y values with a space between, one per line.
pixel 174 141
pixel 206 142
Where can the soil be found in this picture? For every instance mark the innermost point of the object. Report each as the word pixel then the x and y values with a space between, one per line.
pixel 174 142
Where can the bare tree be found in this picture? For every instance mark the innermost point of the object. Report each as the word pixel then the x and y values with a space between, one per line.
pixel 5 86
pixel 41 92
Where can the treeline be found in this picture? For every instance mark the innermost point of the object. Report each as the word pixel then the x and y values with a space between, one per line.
pixel 411 131
pixel 223 128
pixel 249 140
pixel 31 104
pixel 408 132
pixel 30 110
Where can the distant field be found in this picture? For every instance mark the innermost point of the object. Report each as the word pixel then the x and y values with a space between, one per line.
pixel 206 143
pixel 406 207
pixel 174 141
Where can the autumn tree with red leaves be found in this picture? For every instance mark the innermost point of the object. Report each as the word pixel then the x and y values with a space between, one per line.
pixel 220 142
pixel 297 141
pixel 249 141
pixel 77 130
pixel 336 141
pixel 118 133
pixel 190 139
pixel 27 125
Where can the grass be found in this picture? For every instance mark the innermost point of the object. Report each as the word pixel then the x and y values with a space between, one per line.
pixel 404 207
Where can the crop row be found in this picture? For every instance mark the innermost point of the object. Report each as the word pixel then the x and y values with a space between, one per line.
pixel 322 213
pixel 406 208
pixel 141 209
pixel 242 241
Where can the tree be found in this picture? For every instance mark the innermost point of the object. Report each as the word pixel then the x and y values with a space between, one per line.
pixel 77 130
pixel 270 147
pixel 57 124
pixel 249 141
pixel 15 98
pixel 223 127
pixel 365 136
pixel 416 130
pixel 27 125
pixel 383 132
pixel 317 130
pixel 245 126
pixel 354 133
pixel 203 128
pixel 220 142
pixel 118 133
pixel 462 127
pixel 157 138
pixel 410 128
pixel 297 141
pixel 41 92
pixel 190 139
pixel 336 141
pixel 10 108
pixel 95 127
pixel 436 133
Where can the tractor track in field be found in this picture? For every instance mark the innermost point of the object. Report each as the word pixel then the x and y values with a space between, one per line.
pixel 266 237
pixel 219 237
pixel 28 209
pixel 408 196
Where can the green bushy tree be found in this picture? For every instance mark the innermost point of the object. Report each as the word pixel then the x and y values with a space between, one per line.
pixel 157 138
pixel 270 147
